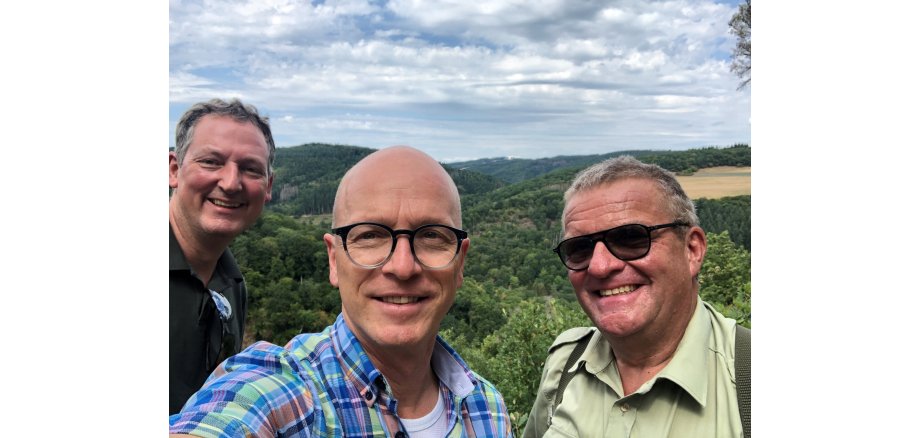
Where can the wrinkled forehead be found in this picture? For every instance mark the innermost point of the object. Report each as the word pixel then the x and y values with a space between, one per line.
pixel 615 203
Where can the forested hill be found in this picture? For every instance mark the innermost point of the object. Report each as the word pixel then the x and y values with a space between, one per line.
pixel 306 176
pixel 514 170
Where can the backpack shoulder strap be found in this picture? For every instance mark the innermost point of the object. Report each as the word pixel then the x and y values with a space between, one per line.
pixel 743 376
pixel 566 374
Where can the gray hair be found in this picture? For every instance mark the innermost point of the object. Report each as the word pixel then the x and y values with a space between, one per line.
pixel 625 166
pixel 233 108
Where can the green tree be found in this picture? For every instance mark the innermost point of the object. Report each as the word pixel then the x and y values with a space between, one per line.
pixel 512 357
pixel 741 57
pixel 725 278
pixel 732 214
pixel 479 310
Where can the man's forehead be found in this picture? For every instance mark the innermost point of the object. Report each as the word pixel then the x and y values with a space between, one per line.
pixel 386 206
pixel 614 202
pixel 223 122
pixel 621 194
pixel 397 183
pixel 386 203
pixel 219 127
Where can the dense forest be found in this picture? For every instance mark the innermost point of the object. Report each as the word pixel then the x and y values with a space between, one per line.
pixel 516 296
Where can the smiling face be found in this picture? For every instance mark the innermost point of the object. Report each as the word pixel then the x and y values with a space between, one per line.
pixel 399 304
pixel 640 296
pixel 223 182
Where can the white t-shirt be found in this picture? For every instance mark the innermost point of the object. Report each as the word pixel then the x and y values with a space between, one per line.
pixel 433 424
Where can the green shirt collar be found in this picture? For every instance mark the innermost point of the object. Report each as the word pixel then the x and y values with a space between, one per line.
pixel 688 368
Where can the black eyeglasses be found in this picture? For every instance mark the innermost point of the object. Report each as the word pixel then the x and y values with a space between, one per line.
pixel 626 242
pixel 370 244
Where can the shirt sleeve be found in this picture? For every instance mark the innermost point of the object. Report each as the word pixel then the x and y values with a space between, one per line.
pixel 536 421
pixel 539 416
pixel 259 392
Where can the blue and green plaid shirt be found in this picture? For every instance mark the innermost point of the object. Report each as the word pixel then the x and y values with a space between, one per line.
pixel 324 385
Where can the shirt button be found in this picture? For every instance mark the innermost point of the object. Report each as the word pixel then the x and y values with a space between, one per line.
pixel 368 395
pixel 624 407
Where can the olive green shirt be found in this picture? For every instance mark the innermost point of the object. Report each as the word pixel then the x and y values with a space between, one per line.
pixel 693 396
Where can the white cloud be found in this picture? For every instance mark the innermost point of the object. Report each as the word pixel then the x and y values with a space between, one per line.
pixel 614 15
pixel 498 74
pixel 645 60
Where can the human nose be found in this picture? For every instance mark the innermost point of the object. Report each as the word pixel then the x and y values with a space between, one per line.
pixel 402 263
pixel 230 179
pixel 603 262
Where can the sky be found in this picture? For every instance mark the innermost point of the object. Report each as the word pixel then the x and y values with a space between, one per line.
pixel 463 80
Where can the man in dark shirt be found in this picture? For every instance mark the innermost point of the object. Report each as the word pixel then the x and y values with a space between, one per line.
pixel 221 176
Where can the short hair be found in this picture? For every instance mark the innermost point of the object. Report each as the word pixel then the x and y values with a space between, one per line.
pixel 625 166
pixel 233 108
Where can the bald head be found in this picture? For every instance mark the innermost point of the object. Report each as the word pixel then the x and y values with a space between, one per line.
pixel 387 181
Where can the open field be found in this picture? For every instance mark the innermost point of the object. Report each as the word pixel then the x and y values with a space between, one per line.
pixel 717 182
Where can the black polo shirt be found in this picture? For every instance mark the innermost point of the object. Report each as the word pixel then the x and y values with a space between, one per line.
pixel 198 339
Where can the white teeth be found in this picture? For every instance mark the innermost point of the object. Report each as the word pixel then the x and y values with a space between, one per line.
pixel 617 291
pixel 399 300
pixel 224 204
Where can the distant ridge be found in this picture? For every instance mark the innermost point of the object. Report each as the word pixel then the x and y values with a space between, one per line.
pixel 514 170
pixel 306 176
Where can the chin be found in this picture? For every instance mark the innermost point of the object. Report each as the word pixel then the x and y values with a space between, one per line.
pixel 405 337
pixel 618 328
pixel 227 229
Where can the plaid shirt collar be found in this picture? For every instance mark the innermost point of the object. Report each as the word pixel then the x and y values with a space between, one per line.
pixel 451 370
pixel 356 366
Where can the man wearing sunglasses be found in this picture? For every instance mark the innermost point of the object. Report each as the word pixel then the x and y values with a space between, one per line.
pixel 659 361
pixel 396 254
pixel 220 177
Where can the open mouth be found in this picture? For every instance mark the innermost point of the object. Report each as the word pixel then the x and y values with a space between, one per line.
pixel 225 204
pixel 617 290
pixel 401 300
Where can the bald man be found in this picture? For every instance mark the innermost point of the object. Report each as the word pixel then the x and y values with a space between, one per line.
pixel 396 254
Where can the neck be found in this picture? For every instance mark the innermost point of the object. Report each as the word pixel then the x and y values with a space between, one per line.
pixel 412 381
pixel 641 356
pixel 201 255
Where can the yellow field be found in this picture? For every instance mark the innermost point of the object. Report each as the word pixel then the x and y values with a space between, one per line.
pixel 717 182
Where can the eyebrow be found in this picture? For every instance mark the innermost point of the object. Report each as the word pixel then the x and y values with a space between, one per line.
pixel 207 150
pixel 412 225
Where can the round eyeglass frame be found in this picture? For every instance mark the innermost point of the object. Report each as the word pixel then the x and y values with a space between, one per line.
pixel 342 232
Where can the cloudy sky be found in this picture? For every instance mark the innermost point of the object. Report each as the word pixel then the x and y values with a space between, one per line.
pixel 463 79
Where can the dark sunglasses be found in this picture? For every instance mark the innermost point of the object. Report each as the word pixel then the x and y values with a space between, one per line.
pixel 626 242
